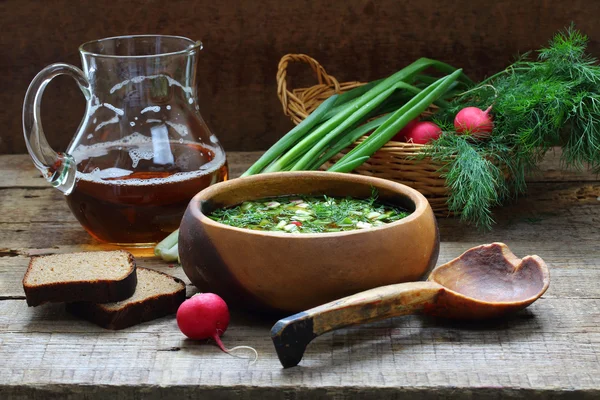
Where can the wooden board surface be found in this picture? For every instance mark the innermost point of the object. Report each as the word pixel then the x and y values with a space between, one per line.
pixel 552 349
pixel 244 40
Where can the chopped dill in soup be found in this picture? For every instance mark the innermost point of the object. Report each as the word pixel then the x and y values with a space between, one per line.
pixel 309 214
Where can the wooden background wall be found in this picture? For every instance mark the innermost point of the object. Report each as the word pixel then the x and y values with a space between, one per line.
pixel 354 40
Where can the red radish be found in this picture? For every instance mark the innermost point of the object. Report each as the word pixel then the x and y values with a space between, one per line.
pixel 423 132
pixel 474 121
pixel 206 316
pixel 401 136
pixel 297 223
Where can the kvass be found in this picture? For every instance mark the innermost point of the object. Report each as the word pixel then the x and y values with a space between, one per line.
pixel 144 198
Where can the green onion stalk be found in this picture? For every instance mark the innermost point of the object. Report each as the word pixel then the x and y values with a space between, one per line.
pixel 394 124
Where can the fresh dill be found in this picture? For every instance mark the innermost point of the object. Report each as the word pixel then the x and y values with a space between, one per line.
pixel 553 100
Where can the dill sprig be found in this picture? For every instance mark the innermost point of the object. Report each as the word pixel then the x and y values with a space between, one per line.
pixel 553 100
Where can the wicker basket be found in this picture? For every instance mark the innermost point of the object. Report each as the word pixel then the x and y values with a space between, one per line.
pixel 396 161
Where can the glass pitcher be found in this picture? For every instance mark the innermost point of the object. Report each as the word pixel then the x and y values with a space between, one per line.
pixel 142 150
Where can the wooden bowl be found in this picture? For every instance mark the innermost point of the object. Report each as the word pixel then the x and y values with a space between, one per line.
pixel 278 271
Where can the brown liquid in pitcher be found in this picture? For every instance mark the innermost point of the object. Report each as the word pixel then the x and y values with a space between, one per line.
pixel 136 191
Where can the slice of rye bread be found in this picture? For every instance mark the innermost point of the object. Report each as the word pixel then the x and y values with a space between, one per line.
pixel 102 276
pixel 157 294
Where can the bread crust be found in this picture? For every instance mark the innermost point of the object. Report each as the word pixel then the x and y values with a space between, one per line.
pixel 100 290
pixel 132 313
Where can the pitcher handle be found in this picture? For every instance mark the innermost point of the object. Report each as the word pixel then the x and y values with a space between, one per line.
pixel 58 168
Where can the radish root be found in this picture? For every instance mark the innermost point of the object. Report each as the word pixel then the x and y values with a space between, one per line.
pixel 217 339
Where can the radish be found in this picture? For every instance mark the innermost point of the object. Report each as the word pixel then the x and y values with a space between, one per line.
pixel 401 136
pixel 206 316
pixel 423 132
pixel 474 121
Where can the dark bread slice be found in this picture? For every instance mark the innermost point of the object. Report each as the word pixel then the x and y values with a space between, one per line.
pixel 102 276
pixel 157 294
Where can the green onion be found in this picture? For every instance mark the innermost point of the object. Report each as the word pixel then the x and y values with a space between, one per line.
pixel 168 249
pixel 425 79
pixel 357 91
pixel 281 224
pixel 310 160
pixel 349 165
pixel 349 96
pixel 415 90
pixel 347 140
pixel 316 148
pixel 291 137
pixel 397 121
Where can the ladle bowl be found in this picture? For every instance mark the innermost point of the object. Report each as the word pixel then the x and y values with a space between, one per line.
pixel 487 281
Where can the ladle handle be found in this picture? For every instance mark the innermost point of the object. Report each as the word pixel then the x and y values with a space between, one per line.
pixel 291 335
pixel 58 168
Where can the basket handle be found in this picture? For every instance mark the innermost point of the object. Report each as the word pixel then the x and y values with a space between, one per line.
pixel 284 93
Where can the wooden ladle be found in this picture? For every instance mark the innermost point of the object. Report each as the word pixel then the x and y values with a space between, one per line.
pixel 484 282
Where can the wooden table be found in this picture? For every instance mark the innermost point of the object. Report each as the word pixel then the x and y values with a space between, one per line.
pixel 551 349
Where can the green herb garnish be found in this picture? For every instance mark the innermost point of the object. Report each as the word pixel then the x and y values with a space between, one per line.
pixel 309 214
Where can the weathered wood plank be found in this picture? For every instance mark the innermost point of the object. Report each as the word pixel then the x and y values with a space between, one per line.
pixel 147 392
pixel 549 212
pixel 23 235
pixel 543 201
pixel 572 275
pixel 37 205
pixel 240 392
pixel 551 169
pixel 17 170
pixel 553 344
pixel 239 162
